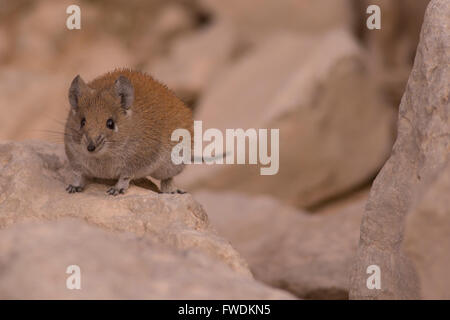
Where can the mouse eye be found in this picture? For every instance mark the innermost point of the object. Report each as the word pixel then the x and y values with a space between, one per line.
pixel 83 122
pixel 110 124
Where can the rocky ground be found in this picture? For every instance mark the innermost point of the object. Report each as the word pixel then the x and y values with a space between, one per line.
pixel 140 245
pixel 336 91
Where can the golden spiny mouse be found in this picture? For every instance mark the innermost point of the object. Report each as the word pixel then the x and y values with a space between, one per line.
pixel 119 127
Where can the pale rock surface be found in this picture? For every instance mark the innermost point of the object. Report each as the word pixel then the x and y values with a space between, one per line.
pixel 39 113
pixel 427 238
pixel 308 255
pixel 255 19
pixel 194 60
pixel 34 258
pixel 405 184
pixel 33 178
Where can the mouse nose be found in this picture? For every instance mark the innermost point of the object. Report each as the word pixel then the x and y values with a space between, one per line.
pixel 91 147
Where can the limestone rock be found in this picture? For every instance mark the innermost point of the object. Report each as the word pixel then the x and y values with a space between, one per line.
pixel 419 155
pixel 93 58
pixel 36 114
pixel 255 19
pixel 34 258
pixel 32 187
pixel 308 255
pixel 401 24
pixel 427 238
pixel 392 49
pixel 334 131
pixel 194 60
pixel 38 33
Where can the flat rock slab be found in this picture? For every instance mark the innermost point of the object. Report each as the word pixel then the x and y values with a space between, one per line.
pixel 34 258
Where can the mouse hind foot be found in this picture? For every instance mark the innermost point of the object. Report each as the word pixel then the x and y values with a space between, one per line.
pixel 168 186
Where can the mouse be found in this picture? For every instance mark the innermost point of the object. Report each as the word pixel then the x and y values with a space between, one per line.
pixel 119 127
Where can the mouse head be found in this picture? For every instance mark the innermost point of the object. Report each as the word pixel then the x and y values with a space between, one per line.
pixel 97 116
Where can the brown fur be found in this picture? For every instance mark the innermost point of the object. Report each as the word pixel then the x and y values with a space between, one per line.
pixel 140 146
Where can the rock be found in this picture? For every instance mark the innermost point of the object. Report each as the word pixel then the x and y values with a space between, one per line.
pixel 194 60
pixel 33 178
pixel 427 238
pixel 34 258
pixel 419 155
pixel 154 40
pixel 308 255
pixel 38 34
pixel 40 113
pixel 255 19
pixel 334 131
pixel 172 19
pixel 401 23
pixel 392 51
pixel 41 42
pixel 94 58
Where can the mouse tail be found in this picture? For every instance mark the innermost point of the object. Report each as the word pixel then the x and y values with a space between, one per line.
pixel 203 159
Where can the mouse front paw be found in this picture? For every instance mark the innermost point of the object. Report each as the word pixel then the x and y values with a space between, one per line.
pixel 115 191
pixel 73 189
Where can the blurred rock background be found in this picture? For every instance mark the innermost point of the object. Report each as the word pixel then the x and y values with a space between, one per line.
pixel 308 67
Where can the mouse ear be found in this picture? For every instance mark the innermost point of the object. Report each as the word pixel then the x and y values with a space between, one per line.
pixel 77 88
pixel 125 91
